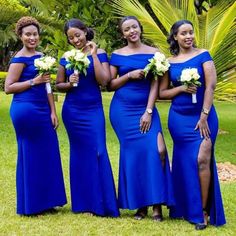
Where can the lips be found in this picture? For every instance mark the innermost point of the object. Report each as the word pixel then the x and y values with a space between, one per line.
pixel 188 41
pixel 133 36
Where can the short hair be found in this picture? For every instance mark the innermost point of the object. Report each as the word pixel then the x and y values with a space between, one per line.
pixel 76 23
pixel 26 21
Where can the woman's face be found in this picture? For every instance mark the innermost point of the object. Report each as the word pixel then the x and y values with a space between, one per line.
pixel 185 36
pixel 30 36
pixel 76 37
pixel 131 30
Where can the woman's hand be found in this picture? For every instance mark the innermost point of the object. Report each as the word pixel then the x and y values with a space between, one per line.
pixel 136 74
pixel 189 89
pixel 203 127
pixel 145 122
pixel 74 78
pixel 93 47
pixel 54 120
pixel 42 78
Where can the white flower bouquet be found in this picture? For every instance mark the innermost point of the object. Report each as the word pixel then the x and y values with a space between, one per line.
pixel 44 65
pixel 78 61
pixel 190 77
pixel 158 65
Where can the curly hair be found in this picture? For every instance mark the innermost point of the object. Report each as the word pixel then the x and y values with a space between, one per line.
pixel 26 21
pixel 174 46
pixel 76 23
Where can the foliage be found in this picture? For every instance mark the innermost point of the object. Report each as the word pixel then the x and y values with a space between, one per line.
pixel 11 11
pixel 3 76
pixel 95 14
pixel 215 29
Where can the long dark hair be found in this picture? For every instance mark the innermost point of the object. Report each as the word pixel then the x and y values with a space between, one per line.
pixel 174 46
pixel 76 23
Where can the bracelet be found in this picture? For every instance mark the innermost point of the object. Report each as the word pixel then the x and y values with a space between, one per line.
pixel 128 75
pixel 31 82
pixel 205 111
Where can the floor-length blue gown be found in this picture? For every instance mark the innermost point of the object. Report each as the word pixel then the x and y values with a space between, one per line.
pixel 183 117
pixel 142 179
pixel 91 178
pixel 39 178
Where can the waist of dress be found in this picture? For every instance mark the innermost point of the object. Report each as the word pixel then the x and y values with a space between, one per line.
pixel 30 99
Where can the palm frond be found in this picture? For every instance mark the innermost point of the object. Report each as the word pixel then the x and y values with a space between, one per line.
pixel 160 8
pixel 223 27
pixel 151 29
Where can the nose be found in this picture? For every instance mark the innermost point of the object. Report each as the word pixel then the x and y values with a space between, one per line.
pixel 75 39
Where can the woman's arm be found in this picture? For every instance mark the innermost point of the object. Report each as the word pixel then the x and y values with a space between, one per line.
pixel 61 84
pixel 54 117
pixel 210 83
pixel 165 92
pixel 145 121
pixel 116 83
pixel 12 84
pixel 102 72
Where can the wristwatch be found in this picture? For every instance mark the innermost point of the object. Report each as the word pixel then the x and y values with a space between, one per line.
pixel 149 111
pixel 31 81
pixel 205 111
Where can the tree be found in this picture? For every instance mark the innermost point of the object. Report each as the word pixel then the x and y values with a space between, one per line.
pixel 11 11
pixel 215 29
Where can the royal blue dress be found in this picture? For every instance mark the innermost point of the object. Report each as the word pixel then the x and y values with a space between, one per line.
pixel 183 117
pixel 39 178
pixel 91 179
pixel 142 179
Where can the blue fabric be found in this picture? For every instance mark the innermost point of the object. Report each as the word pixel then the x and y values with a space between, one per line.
pixel 91 179
pixel 142 179
pixel 39 178
pixel 183 117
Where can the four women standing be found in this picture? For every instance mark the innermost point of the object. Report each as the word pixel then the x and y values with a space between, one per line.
pixel 144 174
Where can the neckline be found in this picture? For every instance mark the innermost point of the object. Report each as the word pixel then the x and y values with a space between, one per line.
pixel 36 55
pixel 135 54
pixel 90 55
pixel 188 59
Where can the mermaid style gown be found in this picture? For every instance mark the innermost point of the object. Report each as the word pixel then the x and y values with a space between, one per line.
pixel 39 178
pixel 183 117
pixel 91 179
pixel 142 179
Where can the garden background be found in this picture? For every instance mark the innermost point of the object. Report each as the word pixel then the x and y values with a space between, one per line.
pixel 215 30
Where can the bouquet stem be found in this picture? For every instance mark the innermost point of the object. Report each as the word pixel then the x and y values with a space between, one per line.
pixel 48 87
pixel 76 72
pixel 194 98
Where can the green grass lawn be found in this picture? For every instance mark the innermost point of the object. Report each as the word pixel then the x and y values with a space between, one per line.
pixel 66 223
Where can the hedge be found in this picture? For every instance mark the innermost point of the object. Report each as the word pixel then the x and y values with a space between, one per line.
pixel 4 74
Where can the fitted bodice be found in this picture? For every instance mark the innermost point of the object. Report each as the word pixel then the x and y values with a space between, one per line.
pixel 34 93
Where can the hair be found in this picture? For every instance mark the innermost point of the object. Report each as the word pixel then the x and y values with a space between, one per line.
pixel 129 18
pixel 26 21
pixel 76 23
pixel 174 46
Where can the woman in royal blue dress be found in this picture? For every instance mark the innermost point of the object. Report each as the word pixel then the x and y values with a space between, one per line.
pixel 91 179
pixel 144 173
pixel 39 179
pixel 193 127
